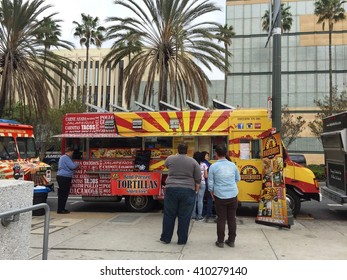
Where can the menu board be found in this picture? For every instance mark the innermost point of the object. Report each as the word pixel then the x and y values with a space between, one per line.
pixel 93 177
pixel 89 123
pixel 272 205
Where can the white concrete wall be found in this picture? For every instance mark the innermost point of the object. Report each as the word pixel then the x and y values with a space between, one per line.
pixel 15 238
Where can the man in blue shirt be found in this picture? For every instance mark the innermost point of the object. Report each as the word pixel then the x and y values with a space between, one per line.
pixel 222 183
pixel 64 177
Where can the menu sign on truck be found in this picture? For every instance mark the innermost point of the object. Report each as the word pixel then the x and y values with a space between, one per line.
pixel 84 124
pixel 93 177
pixel 135 183
pixel 272 204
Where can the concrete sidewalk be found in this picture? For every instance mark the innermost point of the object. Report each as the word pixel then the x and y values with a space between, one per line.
pixel 135 236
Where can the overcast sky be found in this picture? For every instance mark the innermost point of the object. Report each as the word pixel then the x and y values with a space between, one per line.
pixel 70 10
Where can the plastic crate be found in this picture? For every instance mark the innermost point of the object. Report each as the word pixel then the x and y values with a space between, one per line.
pixel 40 196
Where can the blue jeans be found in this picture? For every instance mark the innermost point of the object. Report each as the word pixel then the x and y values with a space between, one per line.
pixel 209 204
pixel 199 202
pixel 178 202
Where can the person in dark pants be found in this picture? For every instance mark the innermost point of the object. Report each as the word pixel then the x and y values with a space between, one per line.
pixel 222 182
pixel 208 210
pixel 64 176
pixel 182 185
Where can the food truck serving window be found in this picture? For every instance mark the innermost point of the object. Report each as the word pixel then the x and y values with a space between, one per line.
pixel 255 149
pixel 158 142
pixel 249 149
pixel 134 142
pixel 114 147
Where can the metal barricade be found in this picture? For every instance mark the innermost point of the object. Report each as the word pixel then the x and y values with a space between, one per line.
pixel 13 216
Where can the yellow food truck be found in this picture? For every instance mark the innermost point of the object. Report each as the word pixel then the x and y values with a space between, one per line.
pixel 122 154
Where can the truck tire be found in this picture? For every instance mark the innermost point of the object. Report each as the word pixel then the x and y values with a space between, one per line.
pixel 142 203
pixel 293 201
pixel 54 165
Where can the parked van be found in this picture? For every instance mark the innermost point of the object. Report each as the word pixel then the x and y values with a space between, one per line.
pixel 52 158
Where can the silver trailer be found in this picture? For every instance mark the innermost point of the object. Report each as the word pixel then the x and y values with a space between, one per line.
pixel 334 139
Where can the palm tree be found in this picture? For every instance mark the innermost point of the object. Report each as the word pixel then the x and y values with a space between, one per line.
pixel 330 11
pixel 90 33
pixel 22 55
pixel 164 49
pixel 226 33
pixel 49 35
pixel 128 43
pixel 178 40
pixel 286 19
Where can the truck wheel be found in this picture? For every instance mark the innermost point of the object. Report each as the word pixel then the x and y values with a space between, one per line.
pixel 293 201
pixel 142 203
pixel 54 165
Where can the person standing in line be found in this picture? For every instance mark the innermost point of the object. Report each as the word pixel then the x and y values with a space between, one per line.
pixel 209 201
pixel 182 184
pixel 222 183
pixel 200 195
pixel 64 177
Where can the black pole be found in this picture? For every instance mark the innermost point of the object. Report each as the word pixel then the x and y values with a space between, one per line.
pixel 276 67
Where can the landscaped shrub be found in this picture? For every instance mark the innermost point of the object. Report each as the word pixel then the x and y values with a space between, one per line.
pixel 318 170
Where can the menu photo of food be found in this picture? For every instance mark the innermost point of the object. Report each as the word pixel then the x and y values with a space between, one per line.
pixel 161 153
pixel 112 153
pixel 277 164
pixel 267 166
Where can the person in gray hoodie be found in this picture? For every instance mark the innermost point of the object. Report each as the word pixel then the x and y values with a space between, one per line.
pixel 182 185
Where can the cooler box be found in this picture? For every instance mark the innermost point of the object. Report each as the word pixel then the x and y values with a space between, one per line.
pixel 40 196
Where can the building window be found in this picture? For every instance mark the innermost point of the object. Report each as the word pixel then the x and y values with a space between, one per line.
pixel 96 78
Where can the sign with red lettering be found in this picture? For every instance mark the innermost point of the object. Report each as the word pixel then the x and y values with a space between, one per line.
pixel 135 183
pixel 93 177
pixel 89 123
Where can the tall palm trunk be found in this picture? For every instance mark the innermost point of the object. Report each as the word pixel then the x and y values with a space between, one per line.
pixel 175 84
pixel 330 70
pixel 3 95
pixel 86 91
pixel 163 82
pixel 4 86
pixel 44 65
pixel 225 73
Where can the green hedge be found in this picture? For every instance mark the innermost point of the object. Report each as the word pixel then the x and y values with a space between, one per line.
pixel 318 170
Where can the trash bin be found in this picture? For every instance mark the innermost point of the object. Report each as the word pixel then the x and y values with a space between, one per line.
pixel 40 196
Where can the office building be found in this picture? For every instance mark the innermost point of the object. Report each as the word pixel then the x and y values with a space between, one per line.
pixel 304 62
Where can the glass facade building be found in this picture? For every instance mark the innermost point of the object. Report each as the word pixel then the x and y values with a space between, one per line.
pixel 304 61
